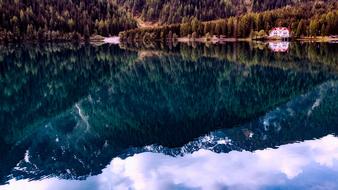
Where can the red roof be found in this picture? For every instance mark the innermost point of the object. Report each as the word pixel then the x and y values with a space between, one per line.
pixel 280 28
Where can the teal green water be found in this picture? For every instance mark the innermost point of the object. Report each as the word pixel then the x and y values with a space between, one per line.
pixel 74 115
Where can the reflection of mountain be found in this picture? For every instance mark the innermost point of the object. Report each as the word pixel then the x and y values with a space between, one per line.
pixel 312 164
pixel 306 117
pixel 118 104
pixel 39 82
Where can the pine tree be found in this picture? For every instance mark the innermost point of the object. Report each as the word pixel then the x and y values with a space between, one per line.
pixel 300 29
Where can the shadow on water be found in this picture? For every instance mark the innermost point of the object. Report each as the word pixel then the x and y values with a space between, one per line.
pixel 67 110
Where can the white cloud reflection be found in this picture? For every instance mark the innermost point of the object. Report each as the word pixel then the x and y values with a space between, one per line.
pixel 294 166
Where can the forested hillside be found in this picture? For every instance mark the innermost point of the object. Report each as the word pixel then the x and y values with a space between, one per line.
pixel 61 19
pixel 64 20
pixel 177 11
pixel 305 19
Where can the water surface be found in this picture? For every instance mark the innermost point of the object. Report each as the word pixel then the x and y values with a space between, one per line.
pixel 234 116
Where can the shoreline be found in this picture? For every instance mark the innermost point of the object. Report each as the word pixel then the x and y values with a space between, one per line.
pixel 216 40
pixel 327 39
pixel 99 40
pixel 318 39
pixel 212 40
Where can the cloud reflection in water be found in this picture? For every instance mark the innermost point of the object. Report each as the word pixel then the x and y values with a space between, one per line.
pixel 310 164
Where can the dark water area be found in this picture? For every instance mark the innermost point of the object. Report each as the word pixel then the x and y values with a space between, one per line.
pixel 190 116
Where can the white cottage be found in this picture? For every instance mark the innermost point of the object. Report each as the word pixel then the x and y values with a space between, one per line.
pixel 279 32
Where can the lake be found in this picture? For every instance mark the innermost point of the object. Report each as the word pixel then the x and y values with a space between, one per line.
pixel 178 116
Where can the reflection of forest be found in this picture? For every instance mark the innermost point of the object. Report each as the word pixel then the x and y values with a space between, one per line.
pixel 76 107
pixel 40 81
pixel 300 56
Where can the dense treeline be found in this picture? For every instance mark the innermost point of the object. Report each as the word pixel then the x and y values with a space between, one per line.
pixel 60 19
pixel 50 20
pixel 177 11
pixel 148 35
pixel 305 20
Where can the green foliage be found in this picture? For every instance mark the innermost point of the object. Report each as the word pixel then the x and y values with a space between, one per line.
pixel 302 20
pixel 167 32
pixel 178 11
pixel 301 28
pixel 49 20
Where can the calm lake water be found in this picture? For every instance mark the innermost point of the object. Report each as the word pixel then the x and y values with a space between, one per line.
pixel 234 116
